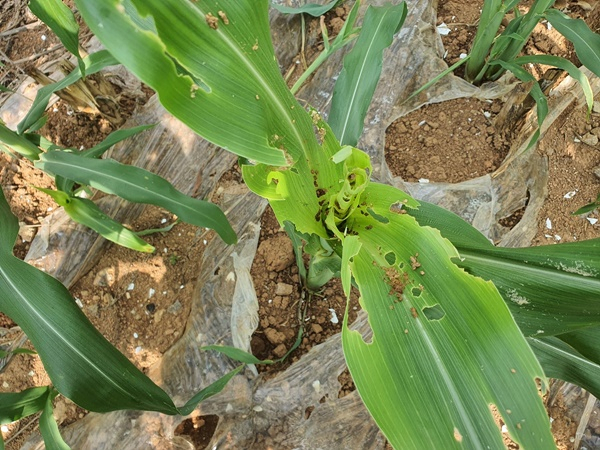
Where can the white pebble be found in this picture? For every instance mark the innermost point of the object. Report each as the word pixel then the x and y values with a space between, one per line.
pixel 182 286
pixel 548 223
pixel 504 429
pixel 130 287
pixel 257 408
pixel 487 114
pixel 423 180
pixel 135 335
pixel 571 194
pixel 138 349
pixel 43 36
pixel 316 386
pixel 5 385
pixel 4 429
pixel 334 318
pixel 443 29
pixel 557 237
pixel 204 241
pixel 78 302
pixel 151 293
pixel 165 250
pixel 592 220
pixel 163 221
pixel 31 373
pixel 462 55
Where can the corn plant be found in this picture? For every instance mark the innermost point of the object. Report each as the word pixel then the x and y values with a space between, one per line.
pixel 494 52
pixel 457 324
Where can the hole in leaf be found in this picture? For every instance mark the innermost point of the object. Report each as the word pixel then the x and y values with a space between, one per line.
pixel 416 292
pixel 435 312
pixel 377 217
pixel 390 258
pixel 199 429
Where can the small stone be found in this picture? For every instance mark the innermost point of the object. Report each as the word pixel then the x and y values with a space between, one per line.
pixel 590 139
pixel 175 308
pixel 159 315
pixel 284 289
pixel 278 253
pixel 596 171
pixel 596 107
pixel 5 385
pixel 316 328
pixel 280 350
pixel 93 310
pixel 151 307
pixel 108 299
pixel 275 337
pixel 106 277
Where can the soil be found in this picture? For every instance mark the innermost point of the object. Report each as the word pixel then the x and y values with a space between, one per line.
pixel 141 302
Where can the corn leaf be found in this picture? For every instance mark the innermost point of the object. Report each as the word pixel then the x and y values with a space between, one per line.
pixel 565 65
pixel 49 429
pixel 12 142
pixel 585 41
pixel 16 405
pixel 444 345
pixel 93 63
pixel 136 185
pixel 61 21
pixel 362 67
pixel 550 289
pixel 536 92
pixel 562 361
pixel 229 89
pixel 87 213
pixel 312 9
pixel 113 138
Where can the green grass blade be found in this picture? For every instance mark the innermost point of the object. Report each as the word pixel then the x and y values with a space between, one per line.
pixel 139 186
pixel 16 405
pixel 565 65
pixel 18 144
pixel 585 41
pixel 312 9
pixel 61 21
pixel 562 361
pixel 113 138
pixel 93 63
pixel 486 33
pixel 362 67
pixel 49 429
pixel 444 344
pixel 209 391
pixel 229 89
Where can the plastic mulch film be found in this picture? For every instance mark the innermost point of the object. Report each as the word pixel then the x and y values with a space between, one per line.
pixel 254 412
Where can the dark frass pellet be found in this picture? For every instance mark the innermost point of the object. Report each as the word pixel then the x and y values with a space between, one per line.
pixel 151 307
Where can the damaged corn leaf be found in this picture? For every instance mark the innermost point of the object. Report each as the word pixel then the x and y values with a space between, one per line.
pixel 228 89
pixel 444 345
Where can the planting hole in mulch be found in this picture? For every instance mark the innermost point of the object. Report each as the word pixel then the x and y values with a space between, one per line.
pixel 282 304
pixel 450 142
pixel 198 429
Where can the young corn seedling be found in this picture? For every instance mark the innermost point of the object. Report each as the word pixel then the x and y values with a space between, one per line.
pixel 494 52
pixel 457 324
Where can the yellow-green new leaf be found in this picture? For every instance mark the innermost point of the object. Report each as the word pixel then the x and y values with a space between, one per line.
pixel 444 345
